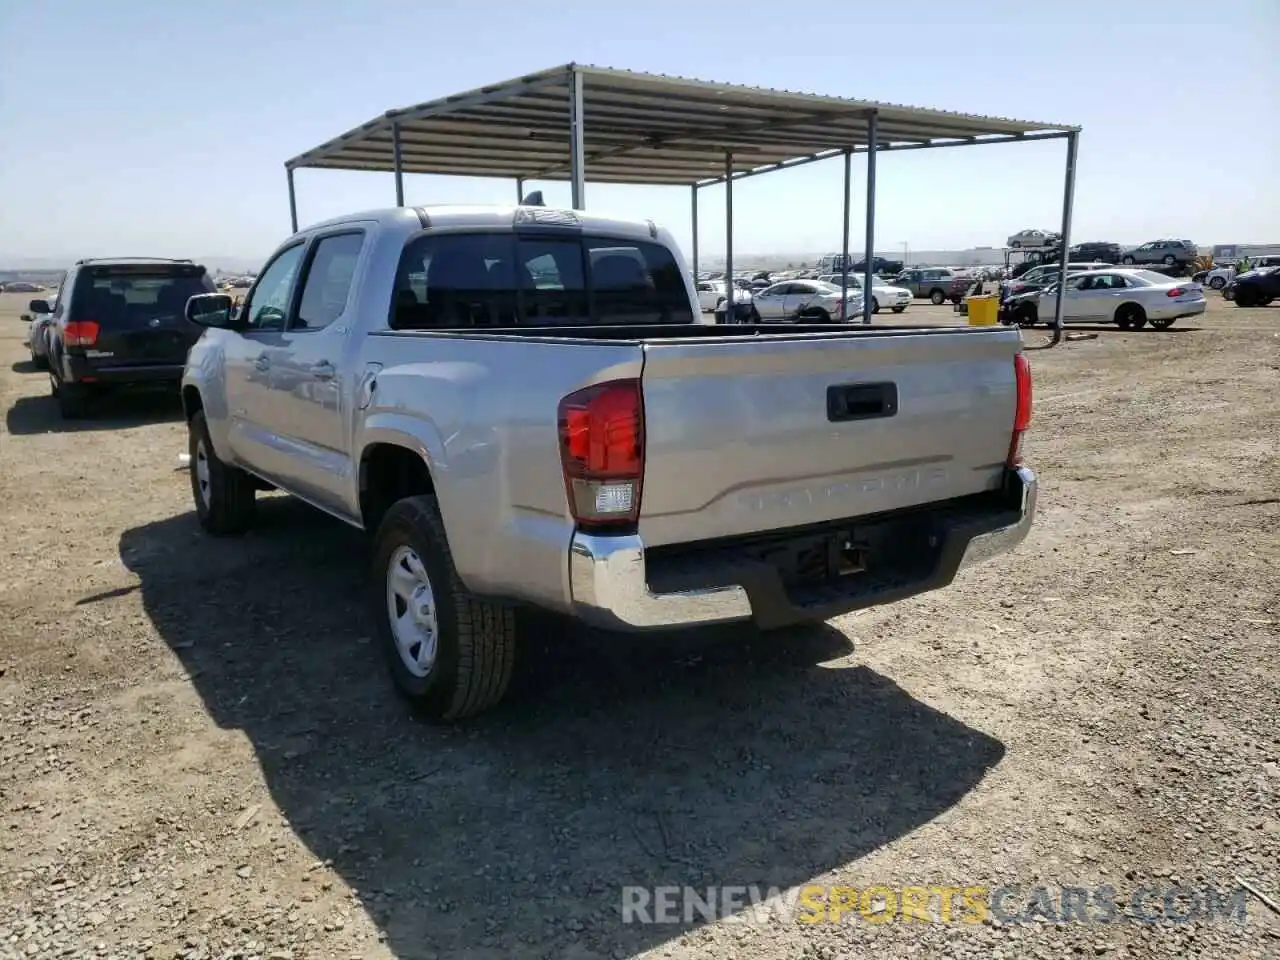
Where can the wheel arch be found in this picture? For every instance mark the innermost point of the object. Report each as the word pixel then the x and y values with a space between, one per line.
pixel 392 467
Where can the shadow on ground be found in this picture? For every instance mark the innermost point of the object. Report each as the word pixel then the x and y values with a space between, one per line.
pixel 24 366
pixel 726 758
pixel 30 415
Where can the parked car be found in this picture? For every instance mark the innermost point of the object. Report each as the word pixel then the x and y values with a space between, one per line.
pixel 21 286
pixel 1033 238
pixel 883 293
pixel 119 323
pixel 1168 252
pixel 710 293
pixel 585 446
pixel 38 331
pixel 1128 298
pixel 1223 274
pixel 938 284
pixel 1255 288
pixel 1040 277
pixel 1094 252
pixel 797 301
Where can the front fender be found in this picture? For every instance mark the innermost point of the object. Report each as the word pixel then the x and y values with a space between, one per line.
pixel 206 373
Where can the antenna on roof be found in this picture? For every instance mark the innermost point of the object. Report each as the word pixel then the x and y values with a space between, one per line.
pixel 533 199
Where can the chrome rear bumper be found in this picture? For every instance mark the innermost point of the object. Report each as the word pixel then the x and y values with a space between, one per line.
pixel 609 585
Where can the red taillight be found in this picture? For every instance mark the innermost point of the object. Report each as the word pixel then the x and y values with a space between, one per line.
pixel 80 333
pixel 1022 410
pixel 602 452
pixel 1175 292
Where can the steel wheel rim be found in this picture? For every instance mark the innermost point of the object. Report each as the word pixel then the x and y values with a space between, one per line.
pixel 411 611
pixel 200 463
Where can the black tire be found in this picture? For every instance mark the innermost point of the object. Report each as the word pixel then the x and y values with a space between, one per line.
pixel 937 297
pixel 1217 283
pixel 875 305
pixel 1130 316
pixel 897 309
pixel 74 400
pixel 476 639
pixel 1163 324
pixel 1169 260
pixel 1244 297
pixel 39 360
pixel 1027 316
pixel 227 507
pixel 1127 261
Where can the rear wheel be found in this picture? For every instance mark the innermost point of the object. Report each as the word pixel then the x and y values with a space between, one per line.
pixel 875 305
pixel 225 496
pixel 1027 316
pixel 937 297
pixel 451 654
pixel 1243 297
pixel 1127 260
pixel 1130 316
pixel 1217 283
pixel 1169 260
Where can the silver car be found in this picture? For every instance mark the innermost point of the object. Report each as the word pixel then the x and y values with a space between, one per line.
pixel 38 332
pixel 795 300
pixel 1168 252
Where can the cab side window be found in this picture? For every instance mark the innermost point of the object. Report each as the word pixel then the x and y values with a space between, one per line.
pixel 268 304
pixel 328 281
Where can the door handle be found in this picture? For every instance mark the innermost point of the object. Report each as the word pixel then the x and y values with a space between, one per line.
pixel 322 370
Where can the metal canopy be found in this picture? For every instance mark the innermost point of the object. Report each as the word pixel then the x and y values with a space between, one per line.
pixel 579 123
pixel 640 128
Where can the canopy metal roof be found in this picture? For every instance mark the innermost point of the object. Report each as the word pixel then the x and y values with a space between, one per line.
pixel 643 128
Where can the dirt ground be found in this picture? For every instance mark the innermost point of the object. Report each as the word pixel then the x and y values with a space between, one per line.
pixel 200 755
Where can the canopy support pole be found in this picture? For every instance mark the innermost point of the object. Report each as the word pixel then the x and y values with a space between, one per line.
pixel 870 255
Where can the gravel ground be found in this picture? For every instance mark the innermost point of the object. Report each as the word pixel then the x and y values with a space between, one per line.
pixel 200 756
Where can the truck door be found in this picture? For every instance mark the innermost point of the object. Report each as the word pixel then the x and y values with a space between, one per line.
pixel 247 363
pixel 311 386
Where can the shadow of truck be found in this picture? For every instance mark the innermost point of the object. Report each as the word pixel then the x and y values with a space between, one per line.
pixel 618 761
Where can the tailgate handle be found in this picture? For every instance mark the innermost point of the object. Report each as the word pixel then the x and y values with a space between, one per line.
pixel 861 401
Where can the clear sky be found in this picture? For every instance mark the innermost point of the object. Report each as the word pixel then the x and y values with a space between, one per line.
pixel 137 126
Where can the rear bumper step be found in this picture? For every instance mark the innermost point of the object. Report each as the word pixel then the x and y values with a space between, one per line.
pixel 616 583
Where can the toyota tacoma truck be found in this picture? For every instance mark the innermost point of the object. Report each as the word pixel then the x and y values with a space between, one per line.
pixel 519 406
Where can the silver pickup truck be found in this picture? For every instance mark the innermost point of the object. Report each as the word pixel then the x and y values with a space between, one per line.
pixel 521 407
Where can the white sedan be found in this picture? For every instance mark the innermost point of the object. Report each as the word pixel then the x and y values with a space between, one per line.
pixel 812 300
pixel 883 293
pixel 710 293
pixel 1129 298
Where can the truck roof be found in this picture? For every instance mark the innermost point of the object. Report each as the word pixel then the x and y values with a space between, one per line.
pixel 491 216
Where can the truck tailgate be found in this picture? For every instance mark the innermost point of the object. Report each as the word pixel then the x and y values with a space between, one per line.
pixel 780 431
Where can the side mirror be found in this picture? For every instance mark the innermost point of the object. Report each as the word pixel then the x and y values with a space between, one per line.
pixel 39 306
pixel 210 310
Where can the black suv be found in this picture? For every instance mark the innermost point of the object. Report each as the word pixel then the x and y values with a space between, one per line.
pixel 1095 253
pixel 1255 288
pixel 120 322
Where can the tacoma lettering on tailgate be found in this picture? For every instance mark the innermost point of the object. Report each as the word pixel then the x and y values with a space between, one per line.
pixel 916 479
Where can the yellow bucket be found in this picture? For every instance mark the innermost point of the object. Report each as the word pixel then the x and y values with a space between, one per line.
pixel 983 311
